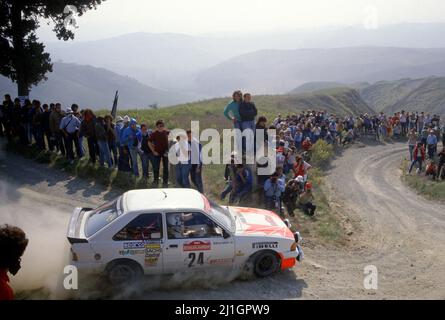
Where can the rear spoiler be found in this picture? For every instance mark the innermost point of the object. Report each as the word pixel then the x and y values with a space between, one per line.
pixel 73 233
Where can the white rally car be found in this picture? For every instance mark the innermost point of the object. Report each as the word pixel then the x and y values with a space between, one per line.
pixel 159 231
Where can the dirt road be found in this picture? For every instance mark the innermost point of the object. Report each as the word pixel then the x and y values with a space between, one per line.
pixel 400 233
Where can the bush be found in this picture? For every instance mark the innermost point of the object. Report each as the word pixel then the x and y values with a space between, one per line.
pixel 321 154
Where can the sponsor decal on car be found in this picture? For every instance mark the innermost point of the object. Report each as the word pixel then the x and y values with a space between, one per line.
pixel 221 261
pixel 134 245
pixel 153 247
pixel 197 245
pixel 131 252
pixel 239 253
pixel 221 242
pixel 264 245
pixel 152 253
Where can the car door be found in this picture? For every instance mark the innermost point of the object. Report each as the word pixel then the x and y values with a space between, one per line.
pixel 195 241
pixel 142 240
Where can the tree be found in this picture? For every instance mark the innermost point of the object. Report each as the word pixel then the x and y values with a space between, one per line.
pixel 22 58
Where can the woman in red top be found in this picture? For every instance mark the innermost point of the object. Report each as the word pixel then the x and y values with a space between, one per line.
pixel 13 243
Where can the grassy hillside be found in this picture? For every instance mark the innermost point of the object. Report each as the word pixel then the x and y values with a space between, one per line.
pixel 340 101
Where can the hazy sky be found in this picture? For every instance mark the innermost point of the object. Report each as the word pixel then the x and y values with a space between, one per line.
pixel 115 17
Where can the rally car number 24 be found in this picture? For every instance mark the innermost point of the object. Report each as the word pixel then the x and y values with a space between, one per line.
pixel 161 231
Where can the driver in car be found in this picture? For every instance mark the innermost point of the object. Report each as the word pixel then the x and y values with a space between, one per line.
pixel 188 225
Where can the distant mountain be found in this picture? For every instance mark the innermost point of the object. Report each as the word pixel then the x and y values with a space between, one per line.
pixel 279 71
pixel 94 88
pixel 173 61
pixel 424 94
pixel 315 86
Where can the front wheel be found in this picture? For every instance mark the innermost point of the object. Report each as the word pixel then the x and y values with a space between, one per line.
pixel 266 263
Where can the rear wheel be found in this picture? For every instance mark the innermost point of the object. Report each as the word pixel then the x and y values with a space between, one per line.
pixel 266 263
pixel 123 271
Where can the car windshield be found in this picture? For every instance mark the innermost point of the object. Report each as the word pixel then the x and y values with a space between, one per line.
pixel 102 216
pixel 222 216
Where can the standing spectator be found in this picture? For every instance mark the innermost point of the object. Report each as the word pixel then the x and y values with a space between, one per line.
pixel 196 162
pixel 182 150
pixel 70 126
pixel 130 140
pixel 102 142
pixel 145 151
pixel 248 112
pixel 88 130
pixel 158 143
pixel 418 156
pixel 37 127
pixel 412 142
pixel 8 107
pixel 261 127
pixel 13 243
pixel 111 137
pixel 79 115
pixel 55 118
pixel 431 143
pixel 124 152
pixel 231 112
pixel 45 126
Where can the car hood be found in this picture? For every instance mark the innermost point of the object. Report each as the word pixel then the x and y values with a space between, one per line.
pixel 259 222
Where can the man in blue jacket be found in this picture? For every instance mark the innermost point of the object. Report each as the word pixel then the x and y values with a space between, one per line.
pixel 130 140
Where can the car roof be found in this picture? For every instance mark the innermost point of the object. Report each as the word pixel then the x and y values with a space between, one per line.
pixel 163 199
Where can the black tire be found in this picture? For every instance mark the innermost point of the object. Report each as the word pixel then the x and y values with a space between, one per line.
pixel 123 271
pixel 266 263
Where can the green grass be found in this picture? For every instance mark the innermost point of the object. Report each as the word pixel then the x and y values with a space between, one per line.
pixel 433 190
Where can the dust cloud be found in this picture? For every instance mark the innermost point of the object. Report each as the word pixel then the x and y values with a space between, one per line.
pixel 47 251
pixel 41 277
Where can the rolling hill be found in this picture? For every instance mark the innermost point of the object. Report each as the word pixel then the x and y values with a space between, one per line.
pixel 94 88
pixel 427 95
pixel 315 86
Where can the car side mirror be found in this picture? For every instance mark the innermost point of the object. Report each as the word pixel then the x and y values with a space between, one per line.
pixel 225 234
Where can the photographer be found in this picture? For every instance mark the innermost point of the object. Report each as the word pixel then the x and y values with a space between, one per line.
pixel 13 243
pixel 290 196
pixel 306 199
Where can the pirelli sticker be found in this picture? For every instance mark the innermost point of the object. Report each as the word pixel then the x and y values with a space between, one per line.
pixel 197 246
pixel 264 245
